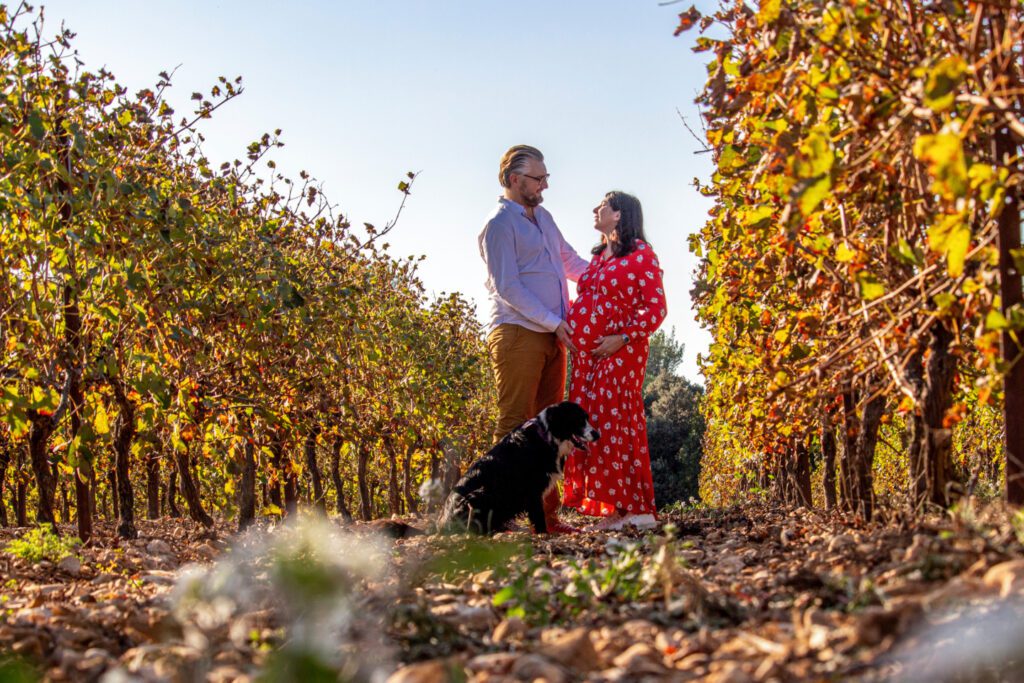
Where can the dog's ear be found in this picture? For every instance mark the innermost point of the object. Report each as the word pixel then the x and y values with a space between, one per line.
pixel 565 419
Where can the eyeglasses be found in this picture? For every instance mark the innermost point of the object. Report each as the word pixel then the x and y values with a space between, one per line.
pixel 538 178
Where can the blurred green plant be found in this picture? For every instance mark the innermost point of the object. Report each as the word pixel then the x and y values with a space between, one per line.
pixel 41 544
pixel 457 556
pixel 629 570
pixel 14 670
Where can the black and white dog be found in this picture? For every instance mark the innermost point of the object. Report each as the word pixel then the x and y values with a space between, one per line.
pixel 514 475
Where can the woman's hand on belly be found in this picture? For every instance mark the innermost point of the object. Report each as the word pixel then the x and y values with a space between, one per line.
pixel 608 346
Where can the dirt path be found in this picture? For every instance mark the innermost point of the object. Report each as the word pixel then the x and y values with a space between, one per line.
pixel 749 594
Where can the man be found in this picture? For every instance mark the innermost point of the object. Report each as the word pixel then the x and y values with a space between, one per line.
pixel 527 261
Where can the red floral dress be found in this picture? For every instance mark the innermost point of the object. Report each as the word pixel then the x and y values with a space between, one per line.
pixel 615 296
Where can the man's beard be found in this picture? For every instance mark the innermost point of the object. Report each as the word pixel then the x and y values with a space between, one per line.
pixel 532 200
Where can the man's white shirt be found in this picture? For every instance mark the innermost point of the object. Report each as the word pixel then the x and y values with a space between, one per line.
pixel 527 267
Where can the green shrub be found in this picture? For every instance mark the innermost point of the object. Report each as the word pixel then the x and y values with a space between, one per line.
pixel 41 544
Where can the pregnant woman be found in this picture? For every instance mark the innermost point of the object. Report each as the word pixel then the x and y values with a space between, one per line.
pixel 620 303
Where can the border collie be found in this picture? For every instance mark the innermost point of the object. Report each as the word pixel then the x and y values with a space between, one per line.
pixel 514 475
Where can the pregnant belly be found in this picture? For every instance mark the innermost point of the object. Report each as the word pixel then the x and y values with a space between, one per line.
pixel 589 324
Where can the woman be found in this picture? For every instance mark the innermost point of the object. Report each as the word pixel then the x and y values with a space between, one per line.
pixel 620 303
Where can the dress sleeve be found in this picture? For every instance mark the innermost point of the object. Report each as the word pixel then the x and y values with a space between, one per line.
pixel 497 247
pixel 651 308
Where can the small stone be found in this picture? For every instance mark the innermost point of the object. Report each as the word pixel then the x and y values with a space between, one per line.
pixel 874 624
pixel 509 629
pixel 207 552
pixel 729 673
pixel 640 630
pixel 495 663
pixel 1008 577
pixel 533 667
pixel 434 671
pixel 730 564
pixel 691 555
pixel 918 549
pixel 572 649
pixel 472 618
pixel 155 563
pixel 640 659
pixel 840 542
pixel 158 578
pixel 70 564
pixel 692 661
pixel 158 547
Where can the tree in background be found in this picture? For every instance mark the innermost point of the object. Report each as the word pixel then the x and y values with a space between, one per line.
pixel 675 426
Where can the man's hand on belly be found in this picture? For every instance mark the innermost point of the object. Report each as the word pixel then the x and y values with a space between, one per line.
pixel 564 334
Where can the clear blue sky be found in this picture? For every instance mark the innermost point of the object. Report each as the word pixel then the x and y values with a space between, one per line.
pixel 367 90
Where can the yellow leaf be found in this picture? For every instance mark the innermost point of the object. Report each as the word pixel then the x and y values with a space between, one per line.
pixel 768 11
pixel 951 236
pixel 844 254
pixel 944 155
pixel 943 79
pixel 101 423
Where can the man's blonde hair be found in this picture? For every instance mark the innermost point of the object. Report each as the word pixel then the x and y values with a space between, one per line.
pixel 514 161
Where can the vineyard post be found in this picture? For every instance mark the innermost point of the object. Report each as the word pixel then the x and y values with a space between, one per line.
pixel 339 488
pixel 828 454
pixel 1006 150
pixel 5 458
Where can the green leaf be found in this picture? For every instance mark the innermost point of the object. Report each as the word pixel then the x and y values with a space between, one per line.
pixel 943 79
pixel 799 352
pixel 43 399
pixel 125 117
pixel 504 595
pixel 35 125
pixel 731 159
pixel 816 155
pixel 814 193
pixel 996 321
pixel 906 253
pixel 870 287
pixel 944 301
pixel 1018 259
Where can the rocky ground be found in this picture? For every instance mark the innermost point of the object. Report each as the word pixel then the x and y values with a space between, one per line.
pixel 746 594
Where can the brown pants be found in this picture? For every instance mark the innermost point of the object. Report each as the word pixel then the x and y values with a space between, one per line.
pixel 529 368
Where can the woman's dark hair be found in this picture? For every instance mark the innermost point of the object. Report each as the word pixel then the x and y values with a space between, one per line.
pixel 630 227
